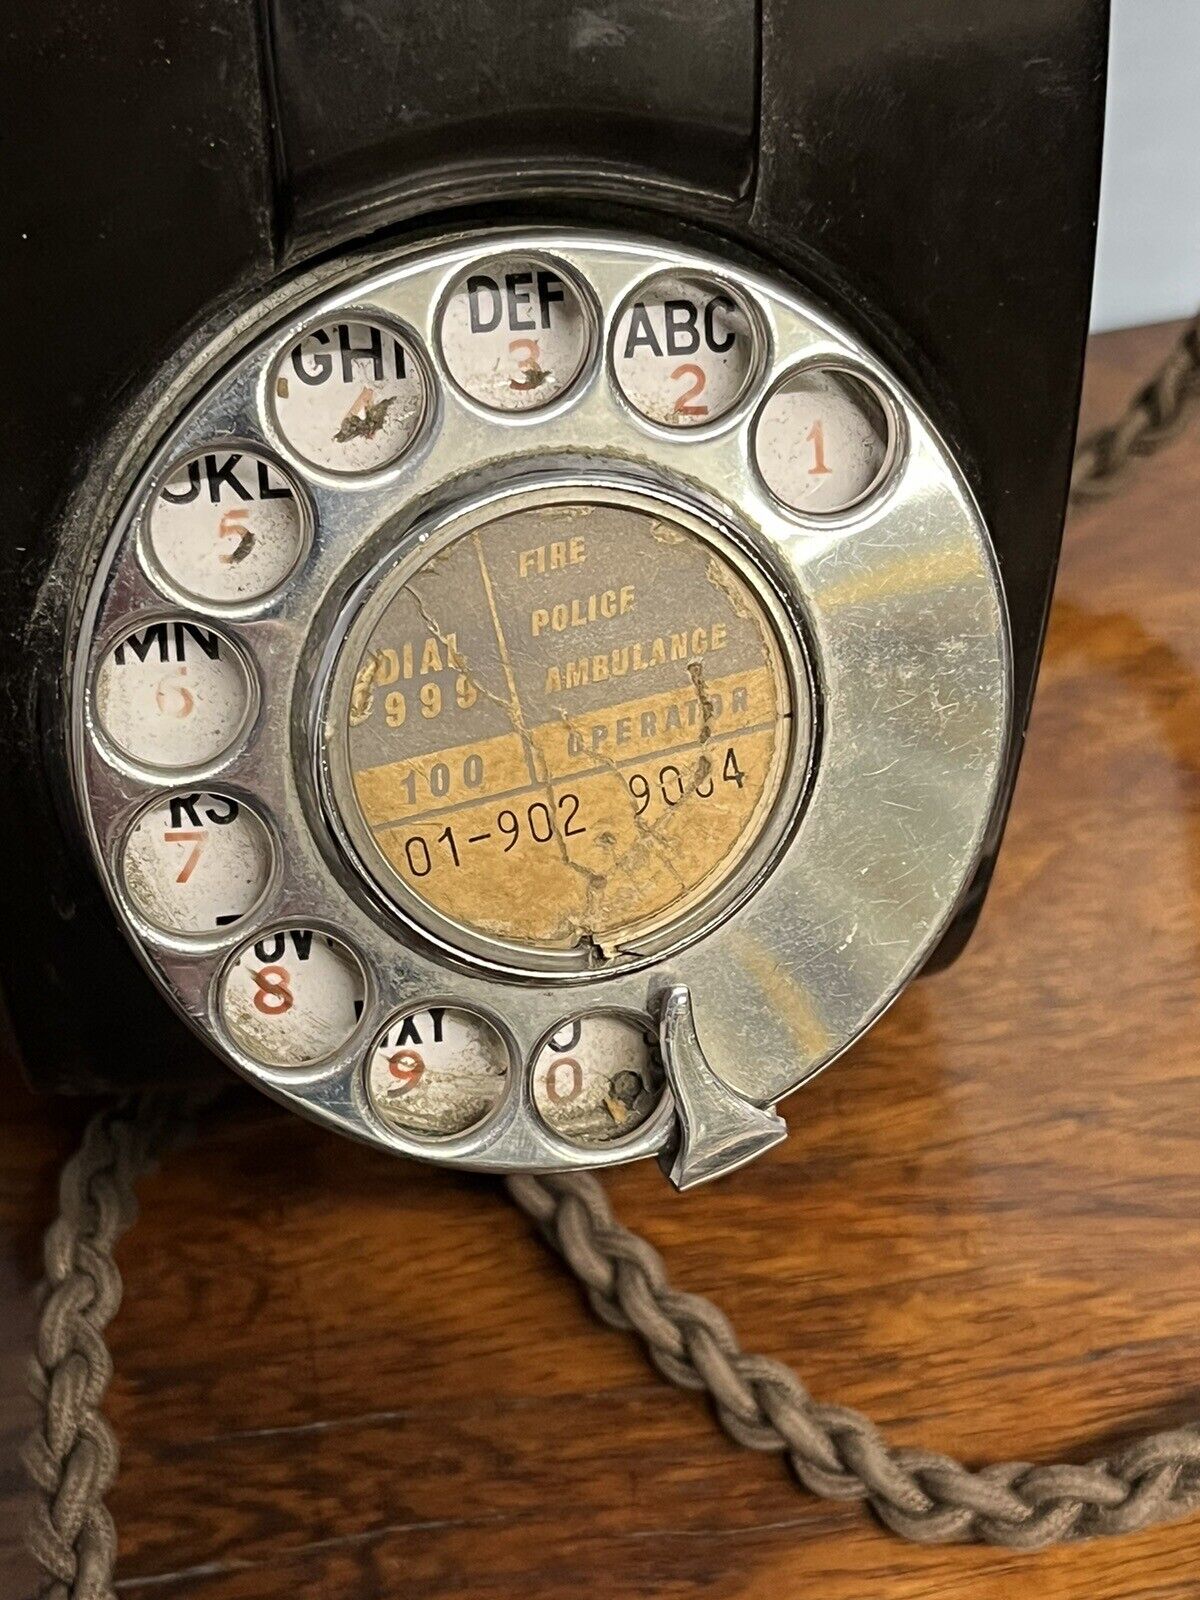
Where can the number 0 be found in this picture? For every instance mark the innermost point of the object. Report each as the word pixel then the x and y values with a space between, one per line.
pixel 575 1084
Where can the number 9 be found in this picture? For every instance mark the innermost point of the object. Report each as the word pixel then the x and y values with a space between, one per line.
pixel 407 1067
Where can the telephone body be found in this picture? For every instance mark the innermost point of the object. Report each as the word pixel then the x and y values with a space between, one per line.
pixel 545 517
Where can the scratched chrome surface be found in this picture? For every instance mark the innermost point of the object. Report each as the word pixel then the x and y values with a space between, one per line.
pixel 907 644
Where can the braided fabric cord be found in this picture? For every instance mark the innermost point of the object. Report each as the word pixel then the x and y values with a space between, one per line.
pixel 71 1458
pixel 1153 417
pixel 836 1452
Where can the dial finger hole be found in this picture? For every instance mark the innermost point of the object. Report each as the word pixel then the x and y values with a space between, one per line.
pixel 227 526
pixel 173 694
pixel 292 997
pixel 515 333
pixel 350 396
pixel 196 863
pixel 824 441
pixel 684 350
pixel 597 1078
pixel 437 1072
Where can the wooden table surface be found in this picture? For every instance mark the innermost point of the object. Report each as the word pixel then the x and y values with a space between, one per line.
pixel 342 1376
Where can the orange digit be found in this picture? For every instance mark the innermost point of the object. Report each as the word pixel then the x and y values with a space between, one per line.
pixel 273 996
pixel 407 1067
pixel 181 707
pixel 816 437
pixel 684 406
pixel 530 364
pixel 572 1093
pixel 193 836
pixel 232 526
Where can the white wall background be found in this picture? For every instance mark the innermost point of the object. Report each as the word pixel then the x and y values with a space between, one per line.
pixel 1148 256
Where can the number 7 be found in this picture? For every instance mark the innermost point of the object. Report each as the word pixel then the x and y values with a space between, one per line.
pixel 192 836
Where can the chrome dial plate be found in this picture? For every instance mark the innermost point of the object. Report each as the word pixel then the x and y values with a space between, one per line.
pixel 855 533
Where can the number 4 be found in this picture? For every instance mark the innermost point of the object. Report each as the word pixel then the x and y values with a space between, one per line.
pixel 731 772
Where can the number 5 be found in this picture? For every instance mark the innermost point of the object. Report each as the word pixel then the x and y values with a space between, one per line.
pixel 232 526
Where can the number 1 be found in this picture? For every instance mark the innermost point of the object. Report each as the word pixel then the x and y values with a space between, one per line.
pixel 816 437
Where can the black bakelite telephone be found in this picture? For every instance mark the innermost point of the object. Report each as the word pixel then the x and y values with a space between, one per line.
pixel 527 542
pixel 526 550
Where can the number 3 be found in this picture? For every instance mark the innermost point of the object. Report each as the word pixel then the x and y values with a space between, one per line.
pixel 530 364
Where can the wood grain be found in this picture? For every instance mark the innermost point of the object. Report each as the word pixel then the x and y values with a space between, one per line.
pixel 339 1375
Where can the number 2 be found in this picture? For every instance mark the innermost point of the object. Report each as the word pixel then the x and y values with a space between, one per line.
pixel 684 406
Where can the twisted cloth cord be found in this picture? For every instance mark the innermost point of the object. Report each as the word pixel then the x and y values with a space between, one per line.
pixel 1155 414
pixel 72 1456
pixel 836 1452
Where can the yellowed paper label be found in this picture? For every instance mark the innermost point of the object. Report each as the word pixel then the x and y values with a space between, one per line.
pixel 569 726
